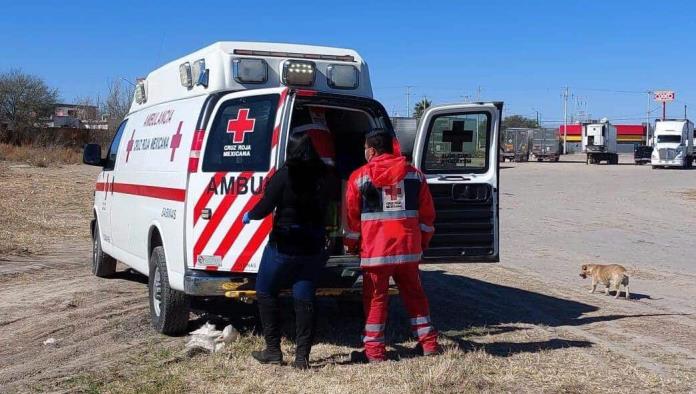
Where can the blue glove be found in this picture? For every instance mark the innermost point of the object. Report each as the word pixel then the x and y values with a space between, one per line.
pixel 245 218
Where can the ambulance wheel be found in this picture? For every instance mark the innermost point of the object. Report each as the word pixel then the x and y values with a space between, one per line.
pixel 103 265
pixel 169 308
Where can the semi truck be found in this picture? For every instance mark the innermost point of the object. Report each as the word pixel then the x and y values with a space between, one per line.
pixel 673 143
pixel 546 144
pixel 515 144
pixel 599 142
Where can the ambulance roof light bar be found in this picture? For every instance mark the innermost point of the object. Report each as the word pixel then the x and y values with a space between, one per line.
pixel 251 52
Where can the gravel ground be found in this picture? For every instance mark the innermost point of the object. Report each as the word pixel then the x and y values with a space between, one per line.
pixel 558 216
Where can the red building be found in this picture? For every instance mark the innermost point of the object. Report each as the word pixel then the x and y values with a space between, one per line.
pixel 626 133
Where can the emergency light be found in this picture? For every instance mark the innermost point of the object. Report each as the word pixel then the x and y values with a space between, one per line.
pixel 342 76
pixel 185 75
pixel 198 73
pixel 298 72
pixel 246 70
pixel 140 96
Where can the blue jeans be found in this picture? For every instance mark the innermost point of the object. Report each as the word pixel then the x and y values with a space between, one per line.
pixel 279 271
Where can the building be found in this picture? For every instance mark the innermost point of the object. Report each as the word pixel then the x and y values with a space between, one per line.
pixel 77 116
pixel 628 137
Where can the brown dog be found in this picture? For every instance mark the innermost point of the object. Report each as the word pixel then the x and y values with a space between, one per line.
pixel 611 276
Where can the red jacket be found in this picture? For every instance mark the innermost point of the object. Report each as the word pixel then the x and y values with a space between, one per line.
pixel 322 141
pixel 390 212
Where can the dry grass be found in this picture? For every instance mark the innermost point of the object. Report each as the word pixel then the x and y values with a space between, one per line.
pixel 40 156
pixel 39 208
pixel 569 370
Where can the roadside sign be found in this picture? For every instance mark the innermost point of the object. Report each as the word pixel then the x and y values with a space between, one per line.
pixel 664 95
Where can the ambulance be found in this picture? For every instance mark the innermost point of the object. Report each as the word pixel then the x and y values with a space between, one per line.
pixel 205 133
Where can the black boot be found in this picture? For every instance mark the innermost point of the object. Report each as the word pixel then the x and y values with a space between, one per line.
pixel 270 316
pixel 304 332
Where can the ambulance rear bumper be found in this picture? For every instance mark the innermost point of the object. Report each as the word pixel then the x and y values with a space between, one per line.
pixel 339 273
pixel 210 284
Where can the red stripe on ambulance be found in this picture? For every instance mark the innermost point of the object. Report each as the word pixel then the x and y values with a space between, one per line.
pixel 237 226
pixel 204 199
pixel 215 220
pixel 254 243
pixel 163 193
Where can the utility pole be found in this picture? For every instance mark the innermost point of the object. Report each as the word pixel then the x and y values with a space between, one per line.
pixel 408 101
pixel 647 120
pixel 565 120
pixel 478 93
pixel 684 111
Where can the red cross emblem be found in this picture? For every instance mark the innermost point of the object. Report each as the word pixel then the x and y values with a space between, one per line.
pixel 240 126
pixel 176 141
pixel 129 147
pixel 393 192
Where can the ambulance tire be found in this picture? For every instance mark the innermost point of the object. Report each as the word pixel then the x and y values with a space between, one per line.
pixel 103 265
pixel 169 308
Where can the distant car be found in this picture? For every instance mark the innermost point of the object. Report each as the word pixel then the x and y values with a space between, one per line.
pixel 642 153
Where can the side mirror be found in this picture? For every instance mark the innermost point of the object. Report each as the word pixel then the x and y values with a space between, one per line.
pixel 92 155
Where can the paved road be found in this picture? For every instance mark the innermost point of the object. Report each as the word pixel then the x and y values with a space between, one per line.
pixel 557 216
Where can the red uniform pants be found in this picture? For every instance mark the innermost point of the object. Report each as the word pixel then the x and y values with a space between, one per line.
pixel 376 305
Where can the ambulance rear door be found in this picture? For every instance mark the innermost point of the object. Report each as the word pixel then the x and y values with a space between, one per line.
pixel 457 148
pixel 238 153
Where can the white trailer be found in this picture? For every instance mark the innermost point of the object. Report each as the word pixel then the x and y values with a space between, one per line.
pixel 673 143
pixel 599 142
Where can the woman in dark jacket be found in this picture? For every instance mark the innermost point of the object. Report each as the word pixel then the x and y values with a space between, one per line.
pixel 294 256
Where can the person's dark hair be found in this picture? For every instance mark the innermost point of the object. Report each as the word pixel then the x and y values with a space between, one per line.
pixel 380 140
pixel 305 167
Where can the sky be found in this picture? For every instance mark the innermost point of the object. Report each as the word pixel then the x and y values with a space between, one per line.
pixel 608 53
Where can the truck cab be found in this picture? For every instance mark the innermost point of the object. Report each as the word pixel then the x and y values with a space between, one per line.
pixel 673 144
pixel 206 131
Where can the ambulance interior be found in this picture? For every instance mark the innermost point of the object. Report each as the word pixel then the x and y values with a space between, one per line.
pixel 347 127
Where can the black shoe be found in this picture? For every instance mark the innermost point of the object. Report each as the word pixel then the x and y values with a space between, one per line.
pixel 300 364
pixel 269 313
pixel 357 357
pixel 438 351
pixel 266 357
pixel 304 332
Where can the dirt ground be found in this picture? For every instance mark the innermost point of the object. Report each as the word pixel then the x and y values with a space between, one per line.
pixel 527 324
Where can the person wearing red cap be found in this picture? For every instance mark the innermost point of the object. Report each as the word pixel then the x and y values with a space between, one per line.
pixel 390 216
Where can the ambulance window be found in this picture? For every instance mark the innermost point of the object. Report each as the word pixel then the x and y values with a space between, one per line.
pixel 457 143
pixel 240 137
pixel 113 148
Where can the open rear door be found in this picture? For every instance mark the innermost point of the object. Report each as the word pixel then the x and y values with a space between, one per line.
pixel 457 148
pixel 239 151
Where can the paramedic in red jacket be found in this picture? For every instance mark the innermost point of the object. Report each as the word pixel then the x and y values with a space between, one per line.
pixel 390 221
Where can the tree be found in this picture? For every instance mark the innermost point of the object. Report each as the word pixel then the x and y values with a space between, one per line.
pixel 117 103
pixel 420 107
pixel 519 121
pixel 24 100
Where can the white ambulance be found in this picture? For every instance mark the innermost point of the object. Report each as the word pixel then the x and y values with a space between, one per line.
pixel 206 131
